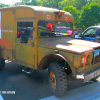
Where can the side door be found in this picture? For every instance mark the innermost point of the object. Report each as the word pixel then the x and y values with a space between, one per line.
pixel 90 34
pixel 24 43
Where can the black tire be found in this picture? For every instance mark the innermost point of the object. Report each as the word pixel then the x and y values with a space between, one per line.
pixel 2 63
pixel 58 82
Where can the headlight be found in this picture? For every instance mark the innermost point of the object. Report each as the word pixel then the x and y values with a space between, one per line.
pixel 84 60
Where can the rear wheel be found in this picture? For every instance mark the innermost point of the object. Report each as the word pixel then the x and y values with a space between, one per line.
pixel 2 63
pixel 57 79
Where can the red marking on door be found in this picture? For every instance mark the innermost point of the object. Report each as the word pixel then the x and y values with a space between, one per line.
pixel 5 42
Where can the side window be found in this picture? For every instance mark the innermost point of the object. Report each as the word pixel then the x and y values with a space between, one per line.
pixel 25 28
pixel 90 32
pixel 98 32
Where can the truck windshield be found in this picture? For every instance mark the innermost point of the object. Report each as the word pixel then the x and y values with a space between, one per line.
pixel 54 28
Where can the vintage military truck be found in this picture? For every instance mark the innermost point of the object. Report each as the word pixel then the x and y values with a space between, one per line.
pixel 25 39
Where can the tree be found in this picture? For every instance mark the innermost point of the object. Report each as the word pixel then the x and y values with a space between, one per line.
pixel 4 5
pixel 79 4
pixel 50 3
pixel 23 2
pixel 74 12
pixel 95 1
pixel 33 2
pixel 90 15
pixel 65 3
pixel 45 3
pixel 75 3
pixel 16 3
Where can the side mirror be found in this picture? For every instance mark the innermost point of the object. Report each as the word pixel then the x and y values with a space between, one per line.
pixel 80 35
pixel 23 39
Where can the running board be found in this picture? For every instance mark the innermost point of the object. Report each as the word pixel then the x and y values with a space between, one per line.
pixel 27 70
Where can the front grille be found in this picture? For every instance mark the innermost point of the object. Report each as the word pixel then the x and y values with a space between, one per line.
pixel 96 56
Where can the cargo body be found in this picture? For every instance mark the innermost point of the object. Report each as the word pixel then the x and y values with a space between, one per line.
pixel 41 38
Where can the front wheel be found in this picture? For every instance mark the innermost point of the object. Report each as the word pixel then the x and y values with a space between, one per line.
pixel 57 79
pixel 2 63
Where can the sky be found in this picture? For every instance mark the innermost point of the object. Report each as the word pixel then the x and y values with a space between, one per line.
pixel 9 1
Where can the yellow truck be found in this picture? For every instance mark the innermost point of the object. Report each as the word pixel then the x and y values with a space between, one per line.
pixel 43 38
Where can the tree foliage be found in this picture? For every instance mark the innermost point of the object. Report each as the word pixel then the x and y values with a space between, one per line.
pixel 4 5
pixel 90 15
pixel 23 2
pixel 75 3
pixel 95 1
pixel 74 12
pixel 50 3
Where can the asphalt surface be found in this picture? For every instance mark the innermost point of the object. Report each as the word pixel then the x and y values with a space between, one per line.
pixel 29 87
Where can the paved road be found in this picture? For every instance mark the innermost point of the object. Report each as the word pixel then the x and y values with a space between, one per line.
pixel 35 86
pixel 87 92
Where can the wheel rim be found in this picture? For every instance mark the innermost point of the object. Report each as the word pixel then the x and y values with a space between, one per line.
pixel 53 80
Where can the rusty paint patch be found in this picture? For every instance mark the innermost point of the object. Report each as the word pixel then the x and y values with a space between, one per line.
pixel 48 44
pixel 55 41
pixel 41 13
pixel 68 44
pixel 5 42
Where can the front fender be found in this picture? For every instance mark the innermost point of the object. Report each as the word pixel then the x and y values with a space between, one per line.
pixel 46 60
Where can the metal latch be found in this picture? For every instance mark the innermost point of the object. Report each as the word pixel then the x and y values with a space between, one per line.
pixel 15 42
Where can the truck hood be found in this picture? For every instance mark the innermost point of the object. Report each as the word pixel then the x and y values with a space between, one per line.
pixel 69 44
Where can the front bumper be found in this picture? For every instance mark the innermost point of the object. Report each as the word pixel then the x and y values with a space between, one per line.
pixel 91 75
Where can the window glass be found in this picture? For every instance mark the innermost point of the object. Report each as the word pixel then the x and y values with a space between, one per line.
pixel 25 28
pixel 90 32
pixel 98 32
pixel 54 28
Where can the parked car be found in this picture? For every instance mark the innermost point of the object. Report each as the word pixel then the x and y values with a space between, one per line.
pixel 90 34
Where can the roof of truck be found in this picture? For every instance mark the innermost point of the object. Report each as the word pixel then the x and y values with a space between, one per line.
pixel 36 8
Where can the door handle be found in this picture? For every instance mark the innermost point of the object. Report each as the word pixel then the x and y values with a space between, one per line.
pixel 30 44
